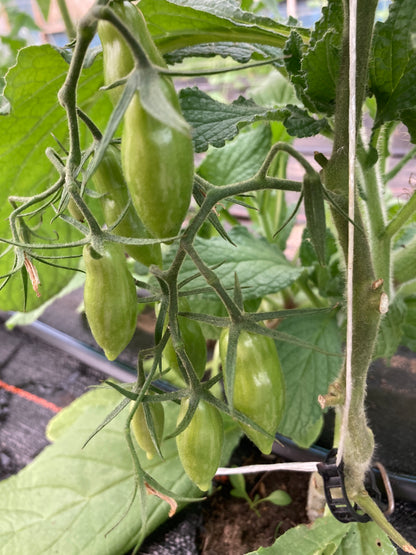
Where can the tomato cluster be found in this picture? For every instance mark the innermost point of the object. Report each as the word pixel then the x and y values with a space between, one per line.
pixel 157 158
pixel 145 192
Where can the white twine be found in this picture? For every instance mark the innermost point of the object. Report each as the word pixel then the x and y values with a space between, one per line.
pixel 311 466
pixel 351 197
pixel 250 469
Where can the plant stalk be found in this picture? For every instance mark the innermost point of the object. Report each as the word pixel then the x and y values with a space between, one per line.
pixel 359 442
pixel 370 507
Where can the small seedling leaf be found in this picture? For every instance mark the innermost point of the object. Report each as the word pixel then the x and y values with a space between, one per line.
pixel 278 497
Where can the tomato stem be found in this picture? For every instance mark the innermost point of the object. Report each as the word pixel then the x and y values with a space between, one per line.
pixel 366 317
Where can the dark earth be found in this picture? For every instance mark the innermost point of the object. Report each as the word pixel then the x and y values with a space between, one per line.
pixel 226 525
pixel 231 526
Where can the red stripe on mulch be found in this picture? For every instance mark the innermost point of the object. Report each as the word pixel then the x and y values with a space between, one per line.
pixel 30 397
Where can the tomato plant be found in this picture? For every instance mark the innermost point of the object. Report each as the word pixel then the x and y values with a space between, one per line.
pixel 216 274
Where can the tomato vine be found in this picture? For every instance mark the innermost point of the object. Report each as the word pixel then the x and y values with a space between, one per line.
pixel 150 188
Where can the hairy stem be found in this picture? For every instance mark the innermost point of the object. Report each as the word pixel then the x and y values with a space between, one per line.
pixel 359 443
pixel 107 14
pixel 67 95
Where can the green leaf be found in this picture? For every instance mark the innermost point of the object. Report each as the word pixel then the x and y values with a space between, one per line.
pixel 261 267
pixel 393 66
pixel 241 53
pixel 327 536
pixel 17 19
pixel 239 486
pixel 331 18
pixel 62 422
pixel 215 123
pixel 67 499
pixel 26 318
pixel 408 117
pixel 300 124
pixel 238 160
pixel 307 374
pixel 44 7
pixel 278 497
pixel 315 72
pixel 321 62
pixel 277 90
pixel 273 90
pixel 177 24
pixel 293 52
pixel 391 329
pixel 321 66
pixel 25 133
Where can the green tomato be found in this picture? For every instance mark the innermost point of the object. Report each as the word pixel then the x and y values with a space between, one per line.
pixel 110 298
pixel 200 444
pixel 157 159
pixel 108 180
pixel 158 166
pixel 194 341
pixel 118 60
pixel 141 431
pixel 259 389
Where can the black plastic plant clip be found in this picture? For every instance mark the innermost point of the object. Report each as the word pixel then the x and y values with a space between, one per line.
pixel 335 493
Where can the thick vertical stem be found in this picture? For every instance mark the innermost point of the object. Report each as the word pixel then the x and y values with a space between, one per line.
pixel 359 441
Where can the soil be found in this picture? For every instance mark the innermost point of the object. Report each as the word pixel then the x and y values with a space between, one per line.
pixel 226 525
pixel 231 527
